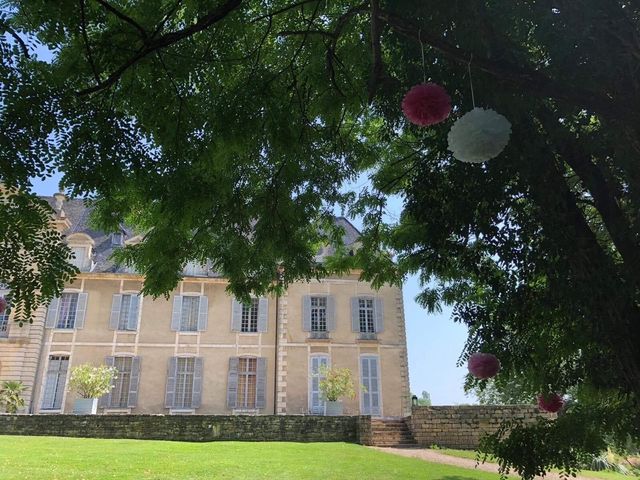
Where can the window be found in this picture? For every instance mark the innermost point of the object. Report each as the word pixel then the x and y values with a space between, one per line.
pixel 54 382
pixel 249 320
pixel 189 317
pixel 117 238
pixel 68 309
pixel 318 314
pixel 122 384
pixel 370 379
pixel 316 402
pixel 128 312
pixel 184 381
pixel 4 322
pixel 367 321
pixel 247 376
pixel 79 254
pixel 194 269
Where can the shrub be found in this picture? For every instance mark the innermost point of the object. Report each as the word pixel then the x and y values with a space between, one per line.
pixel 11 395
pixel 92 382
pixel 337 384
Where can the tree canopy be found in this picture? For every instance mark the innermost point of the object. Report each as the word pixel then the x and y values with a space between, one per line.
pixel 225 130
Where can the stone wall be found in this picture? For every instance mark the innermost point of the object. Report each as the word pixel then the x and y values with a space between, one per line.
pixel 463 426
pixel 198 428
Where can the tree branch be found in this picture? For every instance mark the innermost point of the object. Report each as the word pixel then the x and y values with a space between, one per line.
pixel 164 41
pixel 16 37
pixel 377 67
pixel 85 38
pixel 533 81
pixel 123 17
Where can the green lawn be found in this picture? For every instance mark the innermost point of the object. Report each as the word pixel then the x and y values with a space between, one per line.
pixel 585 473
pixel 48 458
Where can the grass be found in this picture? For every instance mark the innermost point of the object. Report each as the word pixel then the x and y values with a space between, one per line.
pixel 584 473
pixel 58 458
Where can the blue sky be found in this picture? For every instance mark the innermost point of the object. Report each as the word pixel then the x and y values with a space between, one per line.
pixel 434 341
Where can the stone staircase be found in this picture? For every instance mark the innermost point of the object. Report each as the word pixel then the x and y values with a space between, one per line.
pixel 392 433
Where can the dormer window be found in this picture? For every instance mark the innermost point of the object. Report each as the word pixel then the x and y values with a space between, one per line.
pixel 79 257
pixel 117 239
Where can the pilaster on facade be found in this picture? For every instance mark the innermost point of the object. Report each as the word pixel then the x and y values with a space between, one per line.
pixel 404 360
pixel 281 384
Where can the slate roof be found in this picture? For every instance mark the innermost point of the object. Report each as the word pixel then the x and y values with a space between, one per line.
pixel 78 214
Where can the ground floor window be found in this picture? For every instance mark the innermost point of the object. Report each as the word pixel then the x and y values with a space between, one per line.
pixel 247 376
pixel 184 382
pixel 55 381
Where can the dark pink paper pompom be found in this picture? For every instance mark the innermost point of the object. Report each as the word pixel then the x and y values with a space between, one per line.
pixel 483 365
pixel 3 305
pixel 551 402
pixel 426 104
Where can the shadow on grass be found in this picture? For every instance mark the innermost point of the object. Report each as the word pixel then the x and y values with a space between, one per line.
pixel 457 477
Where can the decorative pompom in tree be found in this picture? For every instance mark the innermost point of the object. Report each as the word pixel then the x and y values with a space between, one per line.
pixel 483 365
pixel 426 104
pixel 3 305
pixel 551 402
pixel 479 135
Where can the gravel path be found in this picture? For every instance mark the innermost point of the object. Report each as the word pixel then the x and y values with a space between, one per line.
pixel 436 457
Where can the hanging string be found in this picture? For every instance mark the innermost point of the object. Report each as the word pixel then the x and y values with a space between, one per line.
pixel 473 98
pixel 424 70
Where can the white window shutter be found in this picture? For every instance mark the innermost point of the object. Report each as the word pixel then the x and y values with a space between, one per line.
pixel 331 313
pixel 196 397
pixel 378 311
pixel 134 383
pixel 232 382
pixel 261 383
pixel 105 400
pixel 355 314
pixel 81 310
pixel 134 313
pixel 176 314
pixel 116 305
pixel 263 314
pixel 170 392
pixel 203 313
pixel 236 315
pixel 52 313
pixel 306 313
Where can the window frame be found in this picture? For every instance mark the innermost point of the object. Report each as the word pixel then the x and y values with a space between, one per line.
pixel 129 294
pixel 193 322
pixel 367 315
pixel 320 312
pixel 250 383
pixel 187 386
pixel 119 383
pixel 66 325
pixel 52 356
pixel 250 314
pixel 4 319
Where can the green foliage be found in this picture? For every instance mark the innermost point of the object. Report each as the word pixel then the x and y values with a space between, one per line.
pixel 502 390
pixel 92 382
pixel 336 383
pixel 225 131
pixel 424 400
pixel 11 395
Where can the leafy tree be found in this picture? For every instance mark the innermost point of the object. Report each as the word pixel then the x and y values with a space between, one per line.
pixel 424 400
pixel 92 382
pixel 502 391
pixel 225 130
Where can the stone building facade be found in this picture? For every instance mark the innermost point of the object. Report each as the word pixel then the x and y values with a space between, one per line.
pixel 201 351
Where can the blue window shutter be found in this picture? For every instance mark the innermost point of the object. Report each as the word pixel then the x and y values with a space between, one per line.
pixel 134 382
pixel 261 383
pixel 52 313
pixel 355 314
pixel 196 398
pixel 134 313
pixel 263 314
pixel 176 315
pixel 331 313
pixel 236 315
pixel 306 313
pixel 81 310
pixel 170 392
pixel 116 304
pixel 378 312
pixel 203 313
pixel 232 382
pixel 105 400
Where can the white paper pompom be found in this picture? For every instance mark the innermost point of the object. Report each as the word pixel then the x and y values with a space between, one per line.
pixel 479 135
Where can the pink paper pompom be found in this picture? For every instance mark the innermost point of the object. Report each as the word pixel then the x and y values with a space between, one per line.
pixel 551 402
pixel 483 365
pixel 3 305
pixel 426 104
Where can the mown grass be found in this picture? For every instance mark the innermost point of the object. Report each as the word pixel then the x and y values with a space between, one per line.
pixel 58 458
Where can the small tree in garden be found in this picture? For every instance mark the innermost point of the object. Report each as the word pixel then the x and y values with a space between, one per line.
pixel 337 383
pixel 11 395
pixel 92 382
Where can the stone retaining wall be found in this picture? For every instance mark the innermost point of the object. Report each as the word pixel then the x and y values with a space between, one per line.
pixel 198 428
pixel 463 426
